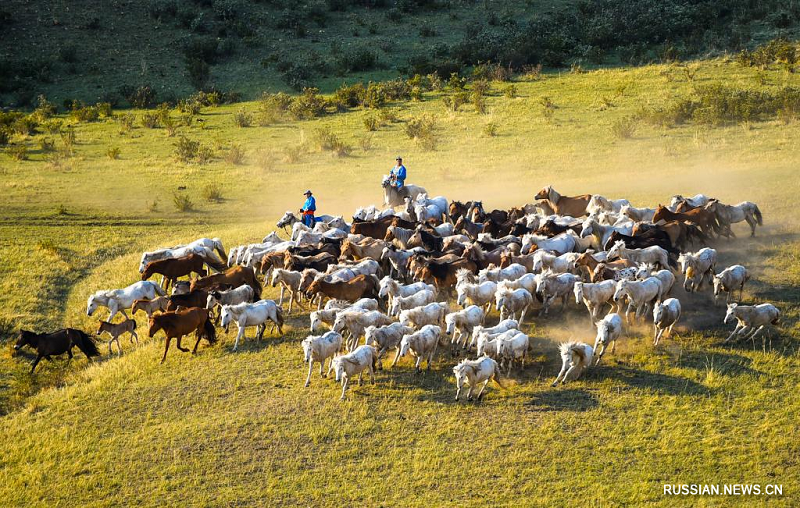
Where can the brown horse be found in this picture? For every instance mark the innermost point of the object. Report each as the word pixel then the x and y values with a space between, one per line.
pixel 194 298
pixel 174 268
pixel 586 259
pixel 574 206
pixel 680 233
pixel 706 219
pixel 150 306
pixel 178 323
pixel 377 228
pixel 483 259
pixel 443 274
pixel 299 263
pixel 367 249
pixel 57 343
pixel 271 260
pixel 234 276
pixel 459 209
pixel 469 228
pixel 361 286
pixel 526 260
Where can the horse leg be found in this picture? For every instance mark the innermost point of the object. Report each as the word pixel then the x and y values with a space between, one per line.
pixel 178 345
pixel 734 332
pixel 119 347
pixel 560 375
pixel 109 346
pixel 36 362
pixel 344 385
pixel 280 298
pixel 134 336
pixel 396 357
pixel 480 393
pixel 417 364
pixel 166 348
pixel 310 369
pixel 238 336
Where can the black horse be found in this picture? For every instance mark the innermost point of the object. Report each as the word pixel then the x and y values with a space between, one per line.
pixel 57 343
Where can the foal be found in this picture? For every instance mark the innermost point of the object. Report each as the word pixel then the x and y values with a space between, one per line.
pixel 115 330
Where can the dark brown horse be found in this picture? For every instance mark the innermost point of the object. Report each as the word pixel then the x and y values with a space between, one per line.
pixel 57 343
pixel 234 277
pixel 299 263
pixel 174 268
pixel 459 209
pixel 178 323
pixel 361 286
pixel 469 228
pixel 377 228
pixel 194 298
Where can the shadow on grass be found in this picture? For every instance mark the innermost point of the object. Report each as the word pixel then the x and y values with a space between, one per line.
pixel 728 364
pixel 563 399
pixel 663 384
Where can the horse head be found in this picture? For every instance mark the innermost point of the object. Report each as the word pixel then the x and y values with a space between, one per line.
pixel 23 339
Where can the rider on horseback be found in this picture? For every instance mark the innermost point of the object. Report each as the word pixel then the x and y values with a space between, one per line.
pixel 398 173
pixel 309 207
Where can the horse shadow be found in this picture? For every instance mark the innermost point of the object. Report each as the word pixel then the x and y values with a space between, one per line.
pixel 727 364
pixel 656 382
pixel 568 399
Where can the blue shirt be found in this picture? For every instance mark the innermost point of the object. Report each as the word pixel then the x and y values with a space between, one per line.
pixel 399 173
pixel 310 204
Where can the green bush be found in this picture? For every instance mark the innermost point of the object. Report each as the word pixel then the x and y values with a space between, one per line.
pixel 182 202
pixel 490 129
pixel 422 130
pixel 327 140
pixel 212 192
pixel 307 105
pixel 83 113
pixel 775 51
pixel 350 95
pixel 624 128
pixel 242 119
pixel 47 145
pixel 113 153
pixel 68 139
pixel 17 152
pixel 186 149
pixel 25 125
pixel 149 120
pixel 234 155
pixel 371 123
pixel 126 122
pixel 44 108
pixel 5 135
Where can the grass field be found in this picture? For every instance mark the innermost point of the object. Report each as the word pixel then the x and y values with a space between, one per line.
pixel 224 428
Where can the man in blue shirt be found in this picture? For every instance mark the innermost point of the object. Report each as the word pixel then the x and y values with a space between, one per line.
pixel 309 207
pixel 398 173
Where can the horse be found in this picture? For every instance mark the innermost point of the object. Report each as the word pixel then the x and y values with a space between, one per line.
pixel 203 246
pixel 115 330
pixel 233 277
pixel 361 359
pixel 751 319
pixel 252 314
pixel 178 323
pixel 474 372
pixel 117 300
pixel 361 286
pixel 56 343
pixel 173 268
pixel 574 206
pixel 665 315
pixel 652 255
pixel 706 219
pixel 575 358
pixel 729 279
pixel 290 218
pixel 394 197
pixel 731 214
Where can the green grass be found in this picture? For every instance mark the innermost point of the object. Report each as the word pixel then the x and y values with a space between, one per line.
pixel 224 428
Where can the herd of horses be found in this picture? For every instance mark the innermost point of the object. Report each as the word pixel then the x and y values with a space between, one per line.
pixel 425 274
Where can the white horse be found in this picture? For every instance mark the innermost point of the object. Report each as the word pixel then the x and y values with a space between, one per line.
pixel 422 345
pixel 694 201
pixel 252 314
pixel 653 254
pixel 474 372
pixel 510 302
pixel 599 202
pixel 751 319
pixel 386 337
pixel 347 366
pixel 638 214
pixel 390 288
pixel 731 214
pixel 502 326
pixel 560 244
pixel 543 260
pixel 595 296
pixel 288 280
pixel 665 315
pixel 642 294
pixel 461 323
pixel 198 247
pixel 666 277
pixel 393 197
pixel 697 267
pixel 729 279
pixel 418 299
pixel 600 233
pixel 511 272
pixel 117 300
pixel 551 286
pixel 318 348
pixel 513 348
pixel 575 358
pixel 609 330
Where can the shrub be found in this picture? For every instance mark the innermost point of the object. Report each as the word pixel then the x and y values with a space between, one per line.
pixel 182 202
pixel 44 108
pixel 68 139
pixel 4 136
pixel 17 152
pixel 775 51
pixel 624 128
pixel 143 97
pixel 242 119
pixel 104 109
pixel 167 121
pixel 293 154
pixel 371 123
pixel 52 126
pixel 265 159
pixel 359 59
pixel 149 120
pixel 387 115
pixel 327 140
pixel 25 125
pixel 113 153
pixel 126 122
pixel 68 54
pixel 234 155
pixel 511 91
pixel 46 145
pixel 491 72
pixel 82 113
pixel 272 107
pixel 490 129
pixel 366 143
pixel 456 100
pixel 307 105
pixel 212 192
pixel 350 95
pixel 186 149
pixel 479 101
pixel 427 31
pixel 422 130
pixel 191 106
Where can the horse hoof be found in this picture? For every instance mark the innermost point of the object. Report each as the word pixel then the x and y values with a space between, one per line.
pixel 306 385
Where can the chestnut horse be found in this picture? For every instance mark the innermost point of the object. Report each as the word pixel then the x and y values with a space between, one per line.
pixel 360 286
pixel 574 206
pixel 178 323
pixel 57 343
pixel 174 268
pixel 706 219
pixel 234 276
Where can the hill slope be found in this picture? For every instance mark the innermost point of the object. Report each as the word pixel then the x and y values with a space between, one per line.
pixel 238 428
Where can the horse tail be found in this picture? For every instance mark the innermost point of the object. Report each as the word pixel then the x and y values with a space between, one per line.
pixel 217 265
pixel 220 249
pixel 279 316
pixel 497 377
pixel 672 260
pixel 159 290
pixel 256 285
pixel 757 213
pixel 209 332
pixel 84 342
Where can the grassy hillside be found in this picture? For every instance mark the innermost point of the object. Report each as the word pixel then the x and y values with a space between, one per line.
pixel 224 428
pixel 94 51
